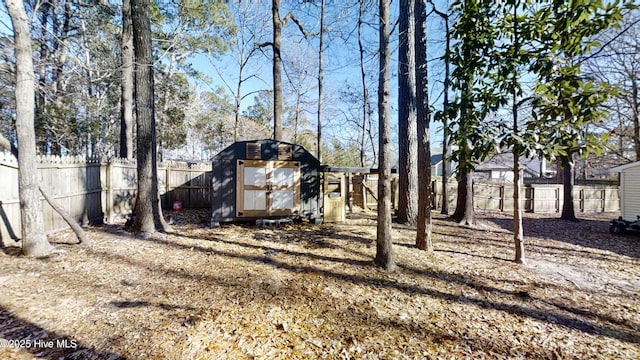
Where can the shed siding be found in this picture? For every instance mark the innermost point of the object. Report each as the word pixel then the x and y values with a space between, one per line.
pixel 223 198
pixel 630 185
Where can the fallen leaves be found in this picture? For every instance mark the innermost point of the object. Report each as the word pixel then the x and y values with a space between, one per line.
pixel 311 291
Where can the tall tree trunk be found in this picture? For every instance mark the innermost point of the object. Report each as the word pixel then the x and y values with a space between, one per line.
pixel 407 131
pixel 148 214
pixel 384 251
pixel 469 210
pixel 445 123
pixel 238 99
pixel 126 86
pixel 277 70
pixel 61 54
pixel 162 125
pixel 465 213
pixel 635 117
pixel 34 241
pixel 461 198
pixel 365 89
pixel 518 234
pixel 423 234
pixel 42 134
pixel 568 209
pixel 90 142
pixel 320 80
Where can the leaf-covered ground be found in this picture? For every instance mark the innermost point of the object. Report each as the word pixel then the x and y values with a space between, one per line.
pixel 310 291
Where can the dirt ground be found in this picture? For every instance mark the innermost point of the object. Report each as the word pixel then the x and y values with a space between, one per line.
pixel 307 291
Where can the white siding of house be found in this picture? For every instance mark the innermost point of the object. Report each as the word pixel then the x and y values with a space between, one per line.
pixel 630 185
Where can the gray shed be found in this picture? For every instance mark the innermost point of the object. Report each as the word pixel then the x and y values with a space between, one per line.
pixel 264 179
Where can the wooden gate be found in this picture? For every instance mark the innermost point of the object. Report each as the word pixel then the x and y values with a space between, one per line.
pixel 334 197
pixel 267 188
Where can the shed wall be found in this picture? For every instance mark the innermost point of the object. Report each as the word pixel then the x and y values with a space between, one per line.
pixel 630 185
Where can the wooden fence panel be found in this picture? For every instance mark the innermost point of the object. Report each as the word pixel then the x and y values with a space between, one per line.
pixel 120 186
pixel 546 198
pixel 9 202
pixel 539 198
pixel 95 190
pixel 611 199
pixel 189 184
pixel 488 196
pixel 452 188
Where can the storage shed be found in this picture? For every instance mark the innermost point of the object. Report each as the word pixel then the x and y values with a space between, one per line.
pixel 629 190
pixel 264 179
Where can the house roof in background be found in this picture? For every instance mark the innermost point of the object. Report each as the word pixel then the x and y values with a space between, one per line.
pixel 436 159
pixel 504 161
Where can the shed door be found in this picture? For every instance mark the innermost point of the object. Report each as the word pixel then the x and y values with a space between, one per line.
pixel 267 188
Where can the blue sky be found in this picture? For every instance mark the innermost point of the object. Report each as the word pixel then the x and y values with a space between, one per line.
pixel 340 61
pixel 341 68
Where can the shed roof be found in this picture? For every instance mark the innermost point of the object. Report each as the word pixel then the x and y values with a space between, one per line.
pixel 620 168
pixel 269 149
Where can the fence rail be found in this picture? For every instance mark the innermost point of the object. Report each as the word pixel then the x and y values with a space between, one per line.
pixel 96 190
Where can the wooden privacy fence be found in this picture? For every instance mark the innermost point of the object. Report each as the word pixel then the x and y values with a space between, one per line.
pixel 537 198
pixel 96 190
pixel 491 196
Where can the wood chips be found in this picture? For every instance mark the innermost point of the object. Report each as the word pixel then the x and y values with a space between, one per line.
pixel 304 291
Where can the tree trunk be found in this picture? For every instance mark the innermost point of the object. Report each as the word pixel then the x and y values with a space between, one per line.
pixel 34 241
pixel 465 213
pixel 635 117
pixel 445 123
pixel 61 33
pixel 45 11
pixel 236 123
pixel 407 131
pixel 365 89
pixel 469 210
pixel 73 224
pixel 518 234
pixel 461 198
pixel 277 71
pixel 148 213
pixel 126 87
pixel 423 236
pixel 568 210
pixel 384 251
pixel 320 80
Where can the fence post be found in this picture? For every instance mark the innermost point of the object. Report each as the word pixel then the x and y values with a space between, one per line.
pixel 109 199
pixel 167 184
